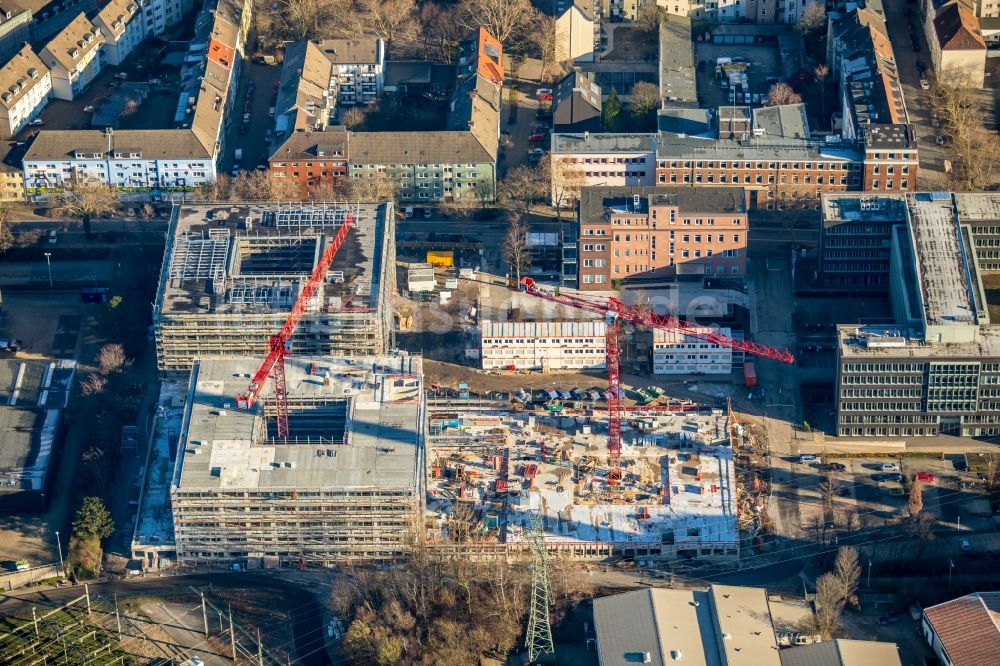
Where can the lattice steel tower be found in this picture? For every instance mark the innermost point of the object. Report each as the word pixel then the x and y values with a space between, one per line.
pixel 539 637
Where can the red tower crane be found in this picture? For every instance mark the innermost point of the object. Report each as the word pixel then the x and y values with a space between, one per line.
pixel 274 362
pixel 614 311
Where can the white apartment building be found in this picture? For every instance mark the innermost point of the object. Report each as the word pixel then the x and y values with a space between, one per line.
pixel 592 158
pixel 753 11
pixel 125 158
pixel 123 28
pixel 158 15
pixel 74 57
pixel 25 87
pixel 553 345
pixel 678 354
pixel 358 68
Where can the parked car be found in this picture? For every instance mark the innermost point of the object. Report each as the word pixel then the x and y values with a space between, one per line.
pixel 897 491
pixel 833 467
pixel 808 458
pixel 536 137
pixel 926 477
pixel 965 545
pixel 545 97
pixel 53 238
pixel 544 91
pixel 897 478
pixel 890 467
pixel 925 84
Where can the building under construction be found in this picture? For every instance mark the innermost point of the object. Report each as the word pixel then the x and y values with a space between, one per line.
pixel 493 472
pixel 343 486
pixel 232 272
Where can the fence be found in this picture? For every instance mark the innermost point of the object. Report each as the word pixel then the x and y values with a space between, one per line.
pixel 15 579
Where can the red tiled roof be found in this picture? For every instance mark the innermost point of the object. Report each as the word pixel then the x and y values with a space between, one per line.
pixel 489 66
pixel 967 629
pixel 958 29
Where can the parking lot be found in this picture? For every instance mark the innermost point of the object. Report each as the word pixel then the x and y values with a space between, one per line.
pixel 762 59
pixel 868 493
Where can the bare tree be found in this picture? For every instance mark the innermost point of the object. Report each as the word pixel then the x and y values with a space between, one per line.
pixel 392 20
pixel 915 501
pixel 213 191
pixel 648 18
pixel 782 93
pixel 112 359
pixel 644 99
pixel 375 187
pixel 829 602
pixel 812 19
pixel 503 18
pixel 303 19
pixel 977 159
pixel 6 237
pixel 564 181
pixel 847 569
pixel 88 202
pixel 353 117
pixel 440 26
pixel 521 188
pixel 515 245
pixel 544 35
pixel 821 72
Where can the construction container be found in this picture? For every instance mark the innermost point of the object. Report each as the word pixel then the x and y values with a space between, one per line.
pixel 420 277
pixel 749 374
pixel 441 258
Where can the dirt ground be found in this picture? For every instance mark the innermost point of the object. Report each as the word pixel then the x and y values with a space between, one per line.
pixel 633 45
pixel 43 320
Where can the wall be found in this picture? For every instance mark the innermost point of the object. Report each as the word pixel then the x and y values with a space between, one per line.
pixel 15 579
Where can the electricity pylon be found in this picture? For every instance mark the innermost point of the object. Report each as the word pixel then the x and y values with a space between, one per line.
pixel 539 637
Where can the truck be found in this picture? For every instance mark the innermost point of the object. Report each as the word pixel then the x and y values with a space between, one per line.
pixel 749 374
pixel 238 155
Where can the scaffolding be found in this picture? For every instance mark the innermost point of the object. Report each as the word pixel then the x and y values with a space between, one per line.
pixel 231 274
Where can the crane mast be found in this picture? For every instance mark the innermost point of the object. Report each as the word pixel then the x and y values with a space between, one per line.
pixel 614 312
pixel 278 344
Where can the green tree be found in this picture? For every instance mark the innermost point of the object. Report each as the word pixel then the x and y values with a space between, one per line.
pixel 611 112
pixel 93 519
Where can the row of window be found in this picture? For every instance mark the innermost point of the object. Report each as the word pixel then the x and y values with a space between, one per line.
pixel 820 166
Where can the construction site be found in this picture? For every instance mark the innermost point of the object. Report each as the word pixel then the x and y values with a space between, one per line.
pixel 493 471
pixel 232 273
pixel 341 484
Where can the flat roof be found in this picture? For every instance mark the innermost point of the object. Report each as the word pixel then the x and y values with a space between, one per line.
pixel 353 424
pixel 598 202
pixel 892 342
pixel 863 206
pixel 243 258
pixel 603 142
pixel 677 66
pixel 32 396
pixel 941 260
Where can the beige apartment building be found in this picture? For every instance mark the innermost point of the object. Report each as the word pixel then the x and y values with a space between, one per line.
pixel 640 232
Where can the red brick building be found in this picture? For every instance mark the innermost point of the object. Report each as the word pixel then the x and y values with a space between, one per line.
pixel 310 161
pixel 645 231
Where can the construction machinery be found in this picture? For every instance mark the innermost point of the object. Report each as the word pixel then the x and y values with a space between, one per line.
pixel 614 312
pixel 279 344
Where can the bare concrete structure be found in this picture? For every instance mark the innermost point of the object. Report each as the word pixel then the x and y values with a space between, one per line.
pixel 344 486
pixel 231 273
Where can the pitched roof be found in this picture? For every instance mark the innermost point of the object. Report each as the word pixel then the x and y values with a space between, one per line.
pixel 331 144
pixel 154 144
pixel 577 98
pixel 489 56
pixel 957 29
pixel 968 628
pixel 73 42
pixel 443 147
pixel 364 51
pixel 19 75
pixel 305 79
pixel 114 18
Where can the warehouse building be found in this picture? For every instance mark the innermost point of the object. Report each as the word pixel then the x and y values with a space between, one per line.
pixel 937 369
pixel 33 395
pixel 231 273
pixel 342 486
